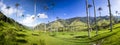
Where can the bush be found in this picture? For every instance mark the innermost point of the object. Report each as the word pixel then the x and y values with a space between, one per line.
pixel 80 36
pixel 34 44
pixel 42 42
pixel 35 34
pixel 21 40
pixel 53 34
pixel 21 35
pixel 71 34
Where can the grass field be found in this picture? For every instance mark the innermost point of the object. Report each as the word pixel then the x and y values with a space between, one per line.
pixel 29 37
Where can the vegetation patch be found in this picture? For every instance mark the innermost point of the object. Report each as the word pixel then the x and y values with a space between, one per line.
pixel 35 34
pixel 42 42
pixel 80 36
pixel 21 35
pixel 21 40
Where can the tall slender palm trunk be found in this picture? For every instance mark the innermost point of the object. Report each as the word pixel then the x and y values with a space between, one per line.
pixel 35 9
pixel 45 28
pixel 95 17
pixel 87 18
pixel 8 7
pixel 100 14
pixel 109 5
pixel 16 14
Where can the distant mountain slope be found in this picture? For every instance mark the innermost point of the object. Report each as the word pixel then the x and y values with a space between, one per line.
pixel 104 20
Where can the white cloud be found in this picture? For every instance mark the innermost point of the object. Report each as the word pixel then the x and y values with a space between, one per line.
pixel 11 11
pixel 29 21
pixel 42 15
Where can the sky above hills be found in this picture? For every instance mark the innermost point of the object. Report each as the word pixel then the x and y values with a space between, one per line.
pixel 62 8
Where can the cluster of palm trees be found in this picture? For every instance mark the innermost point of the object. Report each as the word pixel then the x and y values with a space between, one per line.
pixel 16 5
pixel 88 6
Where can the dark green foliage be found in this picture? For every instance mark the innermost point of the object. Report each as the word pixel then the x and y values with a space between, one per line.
pixel 21 40
pixel 34 44
pixel 35 34
pixel 53 34
pixel 80 36
pixel 7 36
pixel 21 35
pixel 42 42
pixel 71 34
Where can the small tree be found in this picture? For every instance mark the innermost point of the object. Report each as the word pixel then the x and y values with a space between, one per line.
pixel 17 5
pixel 8 7
pixel 95 17
pixel 89 6
pixel 100 9
pixel 109 5
pixel 87 18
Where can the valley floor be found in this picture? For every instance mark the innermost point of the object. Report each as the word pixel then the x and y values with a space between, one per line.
pixel 73 38
pixel 28 37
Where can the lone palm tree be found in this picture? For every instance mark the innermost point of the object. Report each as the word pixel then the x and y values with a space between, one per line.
pixel 53 5
pixel 45 27
pixel 22 15
pixel 100 9
pixel 109 6
pixel 17 5
pixel 34 11
pixel 35 7
pixel 57 23
pixel 89 6
pixel 0 6
pixel 87 18
pixel 45 8
pixel 8 7
pixel 95 17
pixel 116 17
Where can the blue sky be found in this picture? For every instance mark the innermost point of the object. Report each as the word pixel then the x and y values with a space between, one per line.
pixel 63 9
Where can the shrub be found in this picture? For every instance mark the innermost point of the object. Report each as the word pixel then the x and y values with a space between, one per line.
pixel 35 34
pixel 21 40
pixel 81 36
pixel 71 34
pixel 21 35
pixel 42 42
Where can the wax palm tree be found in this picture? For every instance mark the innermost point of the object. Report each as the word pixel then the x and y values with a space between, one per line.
pixel 0 6
pixel 23 15
pixel 89 6
pixel 100 9
pixel 53 5
pixel 45 8
pixel 57 23
pixel 87 18
pixel 17 5
pixel 35 7
pixel 95 17
pixel 109 5
pixel 8 7
pixel 116 16
pixel 34 11
pixel 45 27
